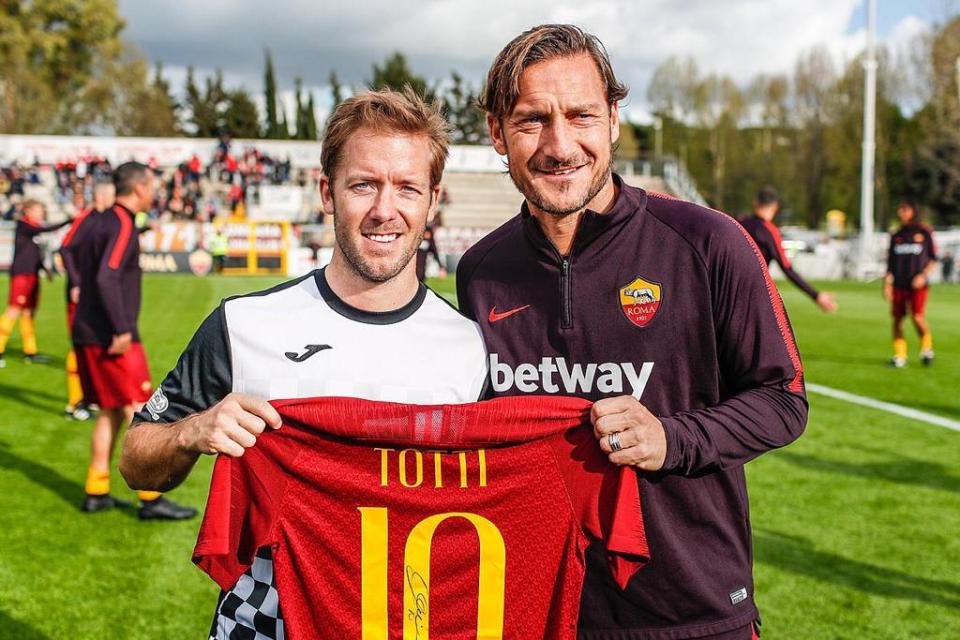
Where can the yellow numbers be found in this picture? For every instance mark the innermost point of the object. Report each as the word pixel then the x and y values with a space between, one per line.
pixel 416 578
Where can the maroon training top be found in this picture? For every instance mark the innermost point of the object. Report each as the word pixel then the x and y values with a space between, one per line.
pixel 109 268
pixel 770 243
pixel 71 241
pixel 672 303
pixel 26 253
pixel 911 250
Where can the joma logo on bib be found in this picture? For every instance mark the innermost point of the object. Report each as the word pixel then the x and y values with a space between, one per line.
pixel 554 375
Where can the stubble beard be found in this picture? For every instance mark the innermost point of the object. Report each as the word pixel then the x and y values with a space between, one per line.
pixel 357 262
pixel 540 201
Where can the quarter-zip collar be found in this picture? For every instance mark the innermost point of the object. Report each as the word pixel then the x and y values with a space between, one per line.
pixel 592 225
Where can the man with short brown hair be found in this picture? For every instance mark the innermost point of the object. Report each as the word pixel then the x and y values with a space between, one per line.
pixel 362 327
pixel 660 310
pixel 110 358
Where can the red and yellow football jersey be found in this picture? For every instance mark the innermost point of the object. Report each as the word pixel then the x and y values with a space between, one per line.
pixel 411 521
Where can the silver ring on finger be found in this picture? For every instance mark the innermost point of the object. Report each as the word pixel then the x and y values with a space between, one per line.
pixel 614 440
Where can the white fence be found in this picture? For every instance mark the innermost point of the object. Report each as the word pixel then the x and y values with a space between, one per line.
pixel 169 152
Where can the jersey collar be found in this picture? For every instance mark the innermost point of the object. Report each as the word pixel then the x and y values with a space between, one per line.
pixel 368 317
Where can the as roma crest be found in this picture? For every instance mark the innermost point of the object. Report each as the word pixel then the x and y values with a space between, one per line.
pixel 640 300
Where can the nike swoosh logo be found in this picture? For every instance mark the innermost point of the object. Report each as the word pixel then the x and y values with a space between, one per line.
pixel 311 349
pixel 497 317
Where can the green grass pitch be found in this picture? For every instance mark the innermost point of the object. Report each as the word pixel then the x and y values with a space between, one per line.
pixel 856 525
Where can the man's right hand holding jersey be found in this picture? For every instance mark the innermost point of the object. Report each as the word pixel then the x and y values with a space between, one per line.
pixel 229 427
pixel 158 456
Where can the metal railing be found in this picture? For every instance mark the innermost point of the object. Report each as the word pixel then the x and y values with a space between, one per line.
pixel 673 173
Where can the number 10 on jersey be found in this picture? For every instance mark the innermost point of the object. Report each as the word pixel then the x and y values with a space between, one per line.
pixel 374 550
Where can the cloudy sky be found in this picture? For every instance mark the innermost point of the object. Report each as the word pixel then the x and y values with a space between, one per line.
pixel 308 38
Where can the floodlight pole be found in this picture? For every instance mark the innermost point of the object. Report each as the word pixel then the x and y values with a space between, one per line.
pixel 958 78
pixel 869 142
pixel 658 132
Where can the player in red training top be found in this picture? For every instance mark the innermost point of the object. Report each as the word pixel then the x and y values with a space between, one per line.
pixel 767 236
pixel 73 242
pixel 910 261
pixel 387 519
pixel 25 282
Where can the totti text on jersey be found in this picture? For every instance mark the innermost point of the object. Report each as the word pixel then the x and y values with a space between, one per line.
pixel 407 467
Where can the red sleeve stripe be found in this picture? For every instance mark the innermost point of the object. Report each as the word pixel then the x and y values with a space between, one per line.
pixel 778 242
pixel 76 225
pixel 796 385
pixel 663 196
pixel 123 239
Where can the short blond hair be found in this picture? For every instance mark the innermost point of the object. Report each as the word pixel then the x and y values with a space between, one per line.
pixel 387 111
pixel 30 204
pixel 545 42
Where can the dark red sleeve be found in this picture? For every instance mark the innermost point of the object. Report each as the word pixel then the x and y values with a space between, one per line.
pixel 605 499
pixel 66 252
pixel 764 405
pixel 119 228
pixel 890 254
pixel 477 424
pixel 243 506
pixel 30 230
pixel 931 245
pixel 74 226
pixel 775 250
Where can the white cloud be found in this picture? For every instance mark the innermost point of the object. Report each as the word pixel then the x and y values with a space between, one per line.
pixel 905 31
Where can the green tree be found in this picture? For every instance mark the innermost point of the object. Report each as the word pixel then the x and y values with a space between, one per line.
pixel 813 80
pixel 336 89
pixel 673 88
pixel 300 111
pixel 467 122
pixel 122 100
pixel 628 144
pixel 240 117
pixel 311 119
pixel 283 128
pixel 51 54
pixel 933 169
pixel 206 108
pixel 163 107
pixel 271 126
pixel 395 73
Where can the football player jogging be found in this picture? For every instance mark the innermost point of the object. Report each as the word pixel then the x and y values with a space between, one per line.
pixel 765 233
pixel 25 281
pixel 103 195
pixel 660 310
pixel 111 361
pixel 910 261
pixel 363 327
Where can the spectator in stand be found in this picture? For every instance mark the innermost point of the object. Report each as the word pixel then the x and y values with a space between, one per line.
pixel 195 168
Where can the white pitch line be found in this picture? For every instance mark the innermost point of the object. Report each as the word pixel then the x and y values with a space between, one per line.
pixel 889 407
